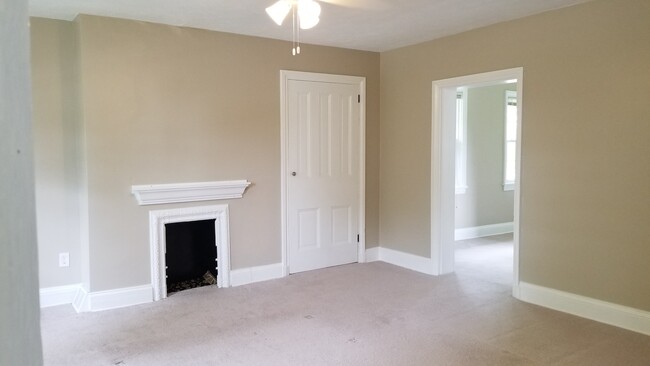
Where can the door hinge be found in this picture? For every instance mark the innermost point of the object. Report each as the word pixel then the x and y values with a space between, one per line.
pixel 359 98
pixel 357 238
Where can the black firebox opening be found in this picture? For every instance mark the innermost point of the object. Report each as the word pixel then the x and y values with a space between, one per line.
pixel 191 255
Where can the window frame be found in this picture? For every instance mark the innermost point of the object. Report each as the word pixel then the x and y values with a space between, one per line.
pixel 461 151
pixel 509 184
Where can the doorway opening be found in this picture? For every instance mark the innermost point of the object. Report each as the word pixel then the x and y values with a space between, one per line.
pixel 443 172
pixel 486 125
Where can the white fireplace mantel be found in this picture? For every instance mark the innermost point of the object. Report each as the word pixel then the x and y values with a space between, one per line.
pixel 156 194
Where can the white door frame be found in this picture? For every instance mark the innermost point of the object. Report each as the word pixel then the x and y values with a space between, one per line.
pixel 442 165
pixel 285 76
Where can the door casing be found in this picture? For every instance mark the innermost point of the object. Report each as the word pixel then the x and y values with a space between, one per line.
pixel 442 166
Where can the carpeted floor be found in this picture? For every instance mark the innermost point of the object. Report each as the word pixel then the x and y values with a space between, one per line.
pixel 361 314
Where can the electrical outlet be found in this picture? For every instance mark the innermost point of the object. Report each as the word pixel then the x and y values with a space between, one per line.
pixel 64 259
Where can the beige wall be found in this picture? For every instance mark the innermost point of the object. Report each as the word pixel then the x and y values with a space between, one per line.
pixel 585 182
pixel 20 337
pixel 164 104
pixel 585 188
pixel 56 150
pixel 485 202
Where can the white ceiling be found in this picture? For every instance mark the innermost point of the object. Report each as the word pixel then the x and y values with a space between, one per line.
pixel 372 25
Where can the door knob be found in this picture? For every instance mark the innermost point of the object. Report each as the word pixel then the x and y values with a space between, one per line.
pixel 293 173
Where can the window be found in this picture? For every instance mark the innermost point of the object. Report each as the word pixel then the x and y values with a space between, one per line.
pixel 510 141
pixel 461 140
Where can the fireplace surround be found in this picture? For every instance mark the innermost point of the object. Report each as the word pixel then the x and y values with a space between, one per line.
pixel 155 194
pixel 157 236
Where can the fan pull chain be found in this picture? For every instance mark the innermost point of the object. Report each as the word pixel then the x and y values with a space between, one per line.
pixel 298 33
pixel 294 51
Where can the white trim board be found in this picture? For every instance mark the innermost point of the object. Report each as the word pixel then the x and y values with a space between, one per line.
pixel 156 194
pixel 585 307
pixel 249 275
pixel 483 231
pixel 442 164
pixel 372 254
pixel 601 311
pixel 84 301
pixel 59 295
pixel 400 259
pixel 112 299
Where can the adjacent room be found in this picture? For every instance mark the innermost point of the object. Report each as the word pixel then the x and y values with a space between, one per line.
pixel 485 171
pixel 335 182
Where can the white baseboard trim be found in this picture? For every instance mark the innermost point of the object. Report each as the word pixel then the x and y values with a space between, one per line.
pixel 59 295
pixel 80 302
pixel 401 259
pixel 84 301
pixel 585 307
pixel 372 254
pixel 112 299
pixel 245 276
pixel 485 230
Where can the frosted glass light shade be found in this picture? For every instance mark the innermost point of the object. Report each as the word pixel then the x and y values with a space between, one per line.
pixel 308 12
pixel 279 11
pixel 308 22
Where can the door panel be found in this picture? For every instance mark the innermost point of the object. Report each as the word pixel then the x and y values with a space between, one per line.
pixel 308 228
pixel 341 233
pixel 323 175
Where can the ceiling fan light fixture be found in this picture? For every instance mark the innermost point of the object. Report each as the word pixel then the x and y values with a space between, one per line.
pixel 305 15
pixel 278 11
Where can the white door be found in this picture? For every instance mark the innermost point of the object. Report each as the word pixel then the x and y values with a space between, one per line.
pixel 323 174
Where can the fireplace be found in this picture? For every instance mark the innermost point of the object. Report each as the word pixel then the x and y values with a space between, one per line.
pixel 190 255
pixel 189 244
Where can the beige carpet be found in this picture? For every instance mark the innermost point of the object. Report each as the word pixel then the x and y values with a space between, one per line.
pixel 361 314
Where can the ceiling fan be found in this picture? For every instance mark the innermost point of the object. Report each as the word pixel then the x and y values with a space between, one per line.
pixel 307 11
pixel 305 15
